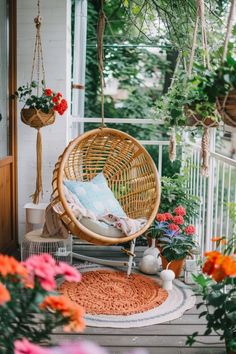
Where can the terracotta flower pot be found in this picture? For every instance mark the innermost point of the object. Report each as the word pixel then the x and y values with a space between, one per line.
pixel 175 265
pixel 35 118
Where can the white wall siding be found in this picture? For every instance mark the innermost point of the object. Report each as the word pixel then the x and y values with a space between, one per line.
pixel 57 57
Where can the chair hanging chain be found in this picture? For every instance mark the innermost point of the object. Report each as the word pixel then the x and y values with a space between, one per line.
pixel 100 35
pixel 38 52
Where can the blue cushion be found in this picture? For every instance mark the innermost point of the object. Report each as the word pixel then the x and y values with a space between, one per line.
pixel 96 196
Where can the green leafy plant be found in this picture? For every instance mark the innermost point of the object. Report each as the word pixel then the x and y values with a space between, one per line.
pixel 187 95
pixel 221 80
pixel 47 101
pixel 217 287
pixel 174 192
pixel 29 305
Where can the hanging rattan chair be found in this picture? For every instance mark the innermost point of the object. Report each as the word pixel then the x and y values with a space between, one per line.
pixel 128 168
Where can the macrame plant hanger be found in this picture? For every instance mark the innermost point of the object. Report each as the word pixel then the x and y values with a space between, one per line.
pixel 172 140
pixel 222 107
pixel 206 62
pixel 38 66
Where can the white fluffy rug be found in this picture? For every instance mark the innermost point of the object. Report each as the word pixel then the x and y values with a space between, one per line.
pixel 180 299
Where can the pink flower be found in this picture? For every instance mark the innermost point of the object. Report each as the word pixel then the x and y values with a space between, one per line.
pixel 173 227
pixel 180 210
pixel 42 267
pixel 70 273
pixel 178 219
pixel 25 347
pixel 168 216
pixel 190 230
pixel 161 217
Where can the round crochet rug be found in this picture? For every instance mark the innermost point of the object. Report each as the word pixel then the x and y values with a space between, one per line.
pixel 107 292
pixel 173 305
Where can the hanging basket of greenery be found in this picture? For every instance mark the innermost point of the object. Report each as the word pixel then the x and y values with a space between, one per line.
pixel 227 108
pixel 226 77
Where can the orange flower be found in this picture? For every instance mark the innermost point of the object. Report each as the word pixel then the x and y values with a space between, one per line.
pixel 4 294
pixel 219 266
pixel 10 266
pixel 221 240
pixel 68 309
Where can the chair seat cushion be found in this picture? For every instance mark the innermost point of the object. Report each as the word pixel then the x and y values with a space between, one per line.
pixel 96 196
pixel 101 228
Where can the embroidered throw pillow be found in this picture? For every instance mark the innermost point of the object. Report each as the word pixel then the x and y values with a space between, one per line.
pixel 96 196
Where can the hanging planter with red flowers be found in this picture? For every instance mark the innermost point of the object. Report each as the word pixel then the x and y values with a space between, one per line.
pixel 40 103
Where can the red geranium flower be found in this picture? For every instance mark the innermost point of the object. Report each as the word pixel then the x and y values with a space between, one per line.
pixel 59 94
pixel 48 92
pixel 168 216
pixel 161 217
pixel 190 230
pixel 55 99
pixel 180 210
pixel 178 219
pixel 173 227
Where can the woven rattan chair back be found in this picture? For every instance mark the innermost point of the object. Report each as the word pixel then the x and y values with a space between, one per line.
pixel 128 168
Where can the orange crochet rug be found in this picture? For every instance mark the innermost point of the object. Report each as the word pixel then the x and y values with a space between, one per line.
pixel 105 292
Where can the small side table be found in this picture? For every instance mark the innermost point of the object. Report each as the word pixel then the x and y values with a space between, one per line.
pixel 33 243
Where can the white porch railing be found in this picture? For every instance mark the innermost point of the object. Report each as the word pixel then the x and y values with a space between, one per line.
pixel 214 192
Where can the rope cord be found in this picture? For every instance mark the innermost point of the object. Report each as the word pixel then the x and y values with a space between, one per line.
pixel 38 63
pixel 206 62
pixel 229 28
pixel 100 53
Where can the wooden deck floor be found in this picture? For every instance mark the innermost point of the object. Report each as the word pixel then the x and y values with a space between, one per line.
pixel 167 338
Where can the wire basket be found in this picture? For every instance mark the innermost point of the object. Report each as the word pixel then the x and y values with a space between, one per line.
pixel 59 249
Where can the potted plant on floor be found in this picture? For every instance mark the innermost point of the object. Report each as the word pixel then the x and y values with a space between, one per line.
pixel 175 238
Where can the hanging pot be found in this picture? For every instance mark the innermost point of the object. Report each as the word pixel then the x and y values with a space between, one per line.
pixel 195 119
pixel 227 108
pixel 176 265
pixel 36 118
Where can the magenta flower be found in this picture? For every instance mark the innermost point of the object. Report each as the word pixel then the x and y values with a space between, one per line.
pixel 25 347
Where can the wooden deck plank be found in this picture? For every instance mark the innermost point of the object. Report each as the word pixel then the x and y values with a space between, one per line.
pixel 161 350
pixel 160 329
pixel 139 341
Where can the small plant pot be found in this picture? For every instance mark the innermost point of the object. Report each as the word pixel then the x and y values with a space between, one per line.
pixel 194 119
pixel 37 119
pixel 175 265
pixel 227 108
pixel 35 213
